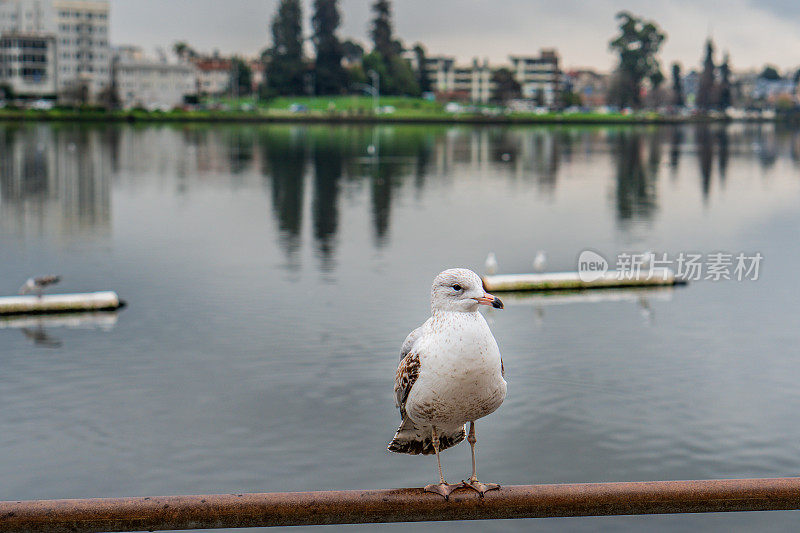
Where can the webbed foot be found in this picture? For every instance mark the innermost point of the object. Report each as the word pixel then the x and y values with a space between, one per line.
pixel 443 488
pixel 480 488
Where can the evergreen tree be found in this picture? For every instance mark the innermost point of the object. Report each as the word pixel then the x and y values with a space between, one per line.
pixel 396 75
pixel 241 77
pixel 352 51
pixel 506 86
pixel 705 91
pixel 770 73
pixel 331 77
pixel 725 83
pixel 285 68
pixel 422 72
pixel 381 31
pixel 637 44
pixel 677 85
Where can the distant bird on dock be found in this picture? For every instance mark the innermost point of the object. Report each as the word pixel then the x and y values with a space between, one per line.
pixel 491 263
pixel 647 259
pixel 540 261
pixel 450 373
pixel 37 285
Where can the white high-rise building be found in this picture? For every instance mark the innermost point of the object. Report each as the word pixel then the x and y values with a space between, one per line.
pixel 84 54
pixel 76 36
pixel 26 16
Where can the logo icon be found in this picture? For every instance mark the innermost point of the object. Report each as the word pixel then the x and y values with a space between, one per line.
pixel 591 266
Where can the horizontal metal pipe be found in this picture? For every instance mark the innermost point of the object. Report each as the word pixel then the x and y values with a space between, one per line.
pixel 398 505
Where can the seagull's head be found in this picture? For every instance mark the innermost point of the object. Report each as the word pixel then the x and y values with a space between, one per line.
pixel 460 289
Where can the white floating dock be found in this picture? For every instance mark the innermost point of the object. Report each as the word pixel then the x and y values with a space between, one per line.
pixel 554 281
pixel 59 303
pixel 595 296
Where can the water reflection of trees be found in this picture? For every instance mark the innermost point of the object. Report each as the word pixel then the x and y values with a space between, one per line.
pixel 635 181
pixel 284 152
pixel 328 154
pixel 60 175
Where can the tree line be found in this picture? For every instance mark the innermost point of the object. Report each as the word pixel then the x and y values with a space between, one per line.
pixel 344 66
pixel 338 66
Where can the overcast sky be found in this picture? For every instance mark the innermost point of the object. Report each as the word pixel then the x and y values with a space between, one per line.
pixel 754 32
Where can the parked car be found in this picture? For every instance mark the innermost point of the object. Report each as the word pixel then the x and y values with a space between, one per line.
pixel 42 105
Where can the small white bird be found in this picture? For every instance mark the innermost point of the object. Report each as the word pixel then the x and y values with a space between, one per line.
pixel 491 263
pixel 647 259
pixel 37 285
pixel 450 373
pixel 540 261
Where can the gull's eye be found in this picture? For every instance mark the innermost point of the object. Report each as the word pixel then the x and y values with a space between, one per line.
pixel 456 287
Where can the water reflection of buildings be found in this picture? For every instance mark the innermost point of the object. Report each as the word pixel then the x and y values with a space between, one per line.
pixel 54 179
pixel 57 178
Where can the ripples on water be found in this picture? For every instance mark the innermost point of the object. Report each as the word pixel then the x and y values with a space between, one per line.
pixel 273 271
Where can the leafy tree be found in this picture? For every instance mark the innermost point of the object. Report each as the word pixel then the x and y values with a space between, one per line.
pixel 570 98
pixel 356 75
pixel 403 79
pixel 352 51
pixel 770 73
pixel 422 72
pixel 725 83
pixel 6 91
pixel 381 31
pixel 241 77
pixel 506 86
pixel 285 69
pixel 706 89
pixel 330 76
pixel 396 75
pixel 677 85
pixel 637 45
pixel 183 50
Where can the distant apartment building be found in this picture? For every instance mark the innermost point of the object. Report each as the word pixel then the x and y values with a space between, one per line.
pixel 84 52
pixel 463 82
pixel 213 74
pixel 539 76
pixel 590 85
pixel 55 46
pixel 149 83
pixel 27 48
pixel 27 64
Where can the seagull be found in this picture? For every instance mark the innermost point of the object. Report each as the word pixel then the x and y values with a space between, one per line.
pixel 491 263
pixel 647 259
pixel 450 373
pixel 37 285
pixel 539 261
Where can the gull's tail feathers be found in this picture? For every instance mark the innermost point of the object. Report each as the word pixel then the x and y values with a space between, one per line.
pixel 414 440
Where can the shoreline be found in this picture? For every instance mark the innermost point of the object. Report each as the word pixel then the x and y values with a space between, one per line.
pixel 310 118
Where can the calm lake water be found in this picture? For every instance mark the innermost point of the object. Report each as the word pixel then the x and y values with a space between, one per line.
pixel 272 273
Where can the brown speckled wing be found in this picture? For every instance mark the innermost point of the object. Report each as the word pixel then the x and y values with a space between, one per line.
pixel 502 368
pixel 407 373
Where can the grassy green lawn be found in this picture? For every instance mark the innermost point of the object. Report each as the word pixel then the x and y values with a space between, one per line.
pixel 345 104
pixel 334 109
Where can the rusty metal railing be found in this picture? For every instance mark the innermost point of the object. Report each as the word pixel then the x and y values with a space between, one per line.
pixel 397 505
